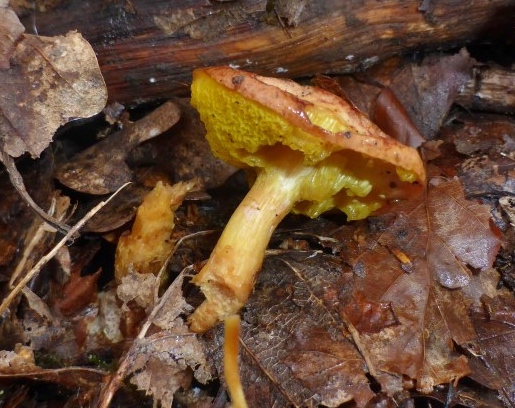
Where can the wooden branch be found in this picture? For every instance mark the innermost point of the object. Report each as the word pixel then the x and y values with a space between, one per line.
pixel 491 89
pixel 148 48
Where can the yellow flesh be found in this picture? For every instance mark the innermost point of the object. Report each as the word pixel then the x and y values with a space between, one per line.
pixel 241 132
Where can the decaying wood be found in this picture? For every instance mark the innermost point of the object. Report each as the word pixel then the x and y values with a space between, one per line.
pixel 147 49
pixel 491 89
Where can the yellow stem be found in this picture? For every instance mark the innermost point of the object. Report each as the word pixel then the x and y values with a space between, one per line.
pixel 228 277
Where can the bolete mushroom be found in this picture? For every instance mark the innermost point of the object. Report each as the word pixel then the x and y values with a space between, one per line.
pixel 305 150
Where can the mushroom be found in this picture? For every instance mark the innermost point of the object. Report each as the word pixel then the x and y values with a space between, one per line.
pixel 305 150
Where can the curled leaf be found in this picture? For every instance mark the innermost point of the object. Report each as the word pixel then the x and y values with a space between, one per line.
pixel 50 81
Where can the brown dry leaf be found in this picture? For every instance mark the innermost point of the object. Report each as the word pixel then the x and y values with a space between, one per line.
pixel 442 237
pixel 50 81
pixel 395 91
pixel 10 31
pixel 495 361
pixel 295 350
pixel 188 155
pixel 138 287
pixel 164 361
pixel 427 91
pixel 78 292
pixel 101 168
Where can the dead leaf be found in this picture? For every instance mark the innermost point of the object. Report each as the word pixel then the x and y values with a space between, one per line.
pixel 427 91
pixel 162 363
pixel 37 304
pixel 138 287
pixel 101 169
pixel 409 99
pixel 78 292
pixel 10 31
pixel 183 155
pixel 368 316
pixel 489 145
pixel 166 360
pixel 456 233
pixel 393 119
pixel 295 350
pixel 443 236
pixel 119 211
pixel 494 322
pixel 50 81
pixel 75 378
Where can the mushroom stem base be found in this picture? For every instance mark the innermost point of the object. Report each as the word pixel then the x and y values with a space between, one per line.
pixel 228 277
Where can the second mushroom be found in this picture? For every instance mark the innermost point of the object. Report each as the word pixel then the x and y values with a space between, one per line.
pixel 306 150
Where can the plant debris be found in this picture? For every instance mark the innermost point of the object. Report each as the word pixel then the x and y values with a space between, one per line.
pixel 408 307
pixel 101 169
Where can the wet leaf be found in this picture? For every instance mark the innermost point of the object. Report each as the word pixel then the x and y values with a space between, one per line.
pixel 296 350
pixel 393 119
pixel 452 233
pixel 495 322
pixel 443 237
pixel 50 81
pixel 368 316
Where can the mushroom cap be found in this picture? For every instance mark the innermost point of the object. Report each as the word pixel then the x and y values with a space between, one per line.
pixel 253 121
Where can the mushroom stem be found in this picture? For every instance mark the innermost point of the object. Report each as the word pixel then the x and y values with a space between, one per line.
pixel 228 277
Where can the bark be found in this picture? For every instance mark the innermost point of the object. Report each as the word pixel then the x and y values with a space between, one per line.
pixel 148 48
pixel 491 89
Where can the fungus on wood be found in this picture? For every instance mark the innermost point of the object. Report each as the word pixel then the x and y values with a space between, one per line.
pixel 305 150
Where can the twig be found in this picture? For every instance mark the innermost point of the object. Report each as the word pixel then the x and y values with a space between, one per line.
pixel 17 181
pixel 44 260
pixel 42 229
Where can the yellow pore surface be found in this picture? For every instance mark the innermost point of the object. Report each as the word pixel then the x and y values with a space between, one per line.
pixel 248 135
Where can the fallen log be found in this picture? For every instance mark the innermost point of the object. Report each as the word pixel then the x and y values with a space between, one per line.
pixel 148 48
